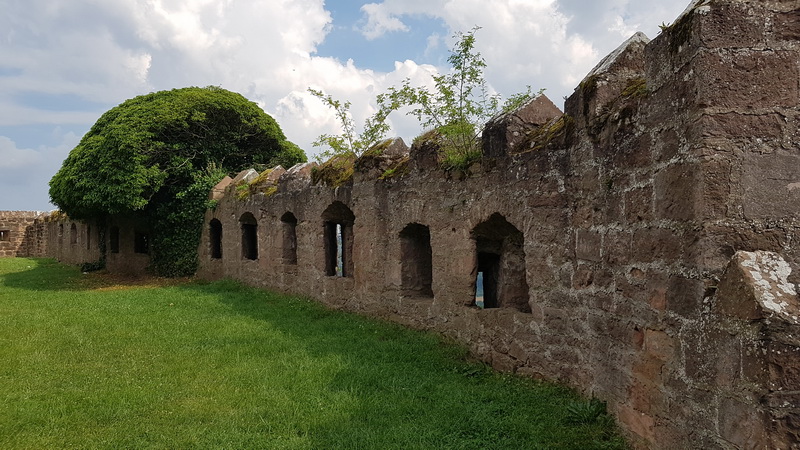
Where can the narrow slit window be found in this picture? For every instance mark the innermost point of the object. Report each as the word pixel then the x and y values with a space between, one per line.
pixel 338 240
pixel 339 252
pixel 5 235
pixel 215 238
pixel 479 291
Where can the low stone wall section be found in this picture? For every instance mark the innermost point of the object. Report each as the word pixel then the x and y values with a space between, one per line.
pixel 16 229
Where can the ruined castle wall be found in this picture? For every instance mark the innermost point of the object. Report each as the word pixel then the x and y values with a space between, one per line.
pixel 642 247
pixel 674 155
pixel 77 242
pixel 69 241
pixel 14 227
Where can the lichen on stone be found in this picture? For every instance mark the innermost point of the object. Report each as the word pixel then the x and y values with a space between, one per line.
pixel 334 172
pixel 636 88
pixel 398 168
pixel 540 137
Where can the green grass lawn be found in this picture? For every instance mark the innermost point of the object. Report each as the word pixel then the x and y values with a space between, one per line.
pixel 89 361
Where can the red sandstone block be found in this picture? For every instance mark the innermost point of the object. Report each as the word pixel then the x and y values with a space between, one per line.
pixel 588 245
pixel 635 154
pixel 685 295
pixel 749 126
pixel 733 25
pixel 742 424
pixel 716 188
pixel 784 366
pixel 747 79
pixel 653 244
pixel 639 205
pixel 787 24
pixel 676 192
pixel 637 422
pixel 770 185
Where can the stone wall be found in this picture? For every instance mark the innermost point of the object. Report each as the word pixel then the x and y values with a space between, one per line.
pixel 15 228
pixel 77 242
pixel 53 235
pixel 641 247
pixel 611 240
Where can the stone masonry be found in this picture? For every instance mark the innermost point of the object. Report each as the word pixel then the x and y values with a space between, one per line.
pixel 616 239
pixel 16 237
pixel 641 246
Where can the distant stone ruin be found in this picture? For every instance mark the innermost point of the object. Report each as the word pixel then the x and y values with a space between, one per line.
pixel 642 246
pixel 17 234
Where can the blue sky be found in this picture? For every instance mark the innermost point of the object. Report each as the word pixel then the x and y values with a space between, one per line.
pixel 65 62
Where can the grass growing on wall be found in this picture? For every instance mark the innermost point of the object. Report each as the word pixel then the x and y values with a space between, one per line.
pixel 90 361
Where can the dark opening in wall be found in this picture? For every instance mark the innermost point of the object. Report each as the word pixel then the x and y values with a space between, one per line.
pixel 215 237
pixel 249 236
pixel 500 265
pixel 416 260
pixel 337 233
pixel 60 233
pixel 73 234
pixel 114 239
pixel 289 225
pixel 488 272
pixel 88 237
pixel 5 235
pixel 141 242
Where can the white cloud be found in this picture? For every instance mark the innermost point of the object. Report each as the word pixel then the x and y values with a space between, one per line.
pixel 380 21
pixel 14 158
pixel 98 53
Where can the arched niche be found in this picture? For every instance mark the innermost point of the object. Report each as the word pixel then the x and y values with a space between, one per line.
pixel 289 238
pixel 337 234
pixel 249 226
pixel 416 258
pixel 500 265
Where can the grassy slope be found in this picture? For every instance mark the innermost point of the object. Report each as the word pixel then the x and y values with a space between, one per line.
pixel 89 362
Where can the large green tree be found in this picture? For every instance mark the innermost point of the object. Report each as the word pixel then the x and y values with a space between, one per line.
pixel 157 156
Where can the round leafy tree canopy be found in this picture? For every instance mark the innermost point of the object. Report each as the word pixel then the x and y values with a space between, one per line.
pixel 161 141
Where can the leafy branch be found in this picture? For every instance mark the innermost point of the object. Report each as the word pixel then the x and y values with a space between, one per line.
pixel 457 107
pixel 459 104
pixel 350 142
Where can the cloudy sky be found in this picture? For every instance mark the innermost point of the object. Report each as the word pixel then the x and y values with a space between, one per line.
pixel 65 62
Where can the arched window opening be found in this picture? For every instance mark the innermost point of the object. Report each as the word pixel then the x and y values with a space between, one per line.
pixel 500 265
pixel 289 228
pixel 215 238
pixel 416 261
pixel 88 237
pixel 73 234
pixel 114 239
pixel 60 233
pixel 337 233
pixel 249 236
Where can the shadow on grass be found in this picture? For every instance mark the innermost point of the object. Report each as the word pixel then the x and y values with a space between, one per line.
pixel 45 274
pixel 424 390
pixel 40 274
pixel 408 390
